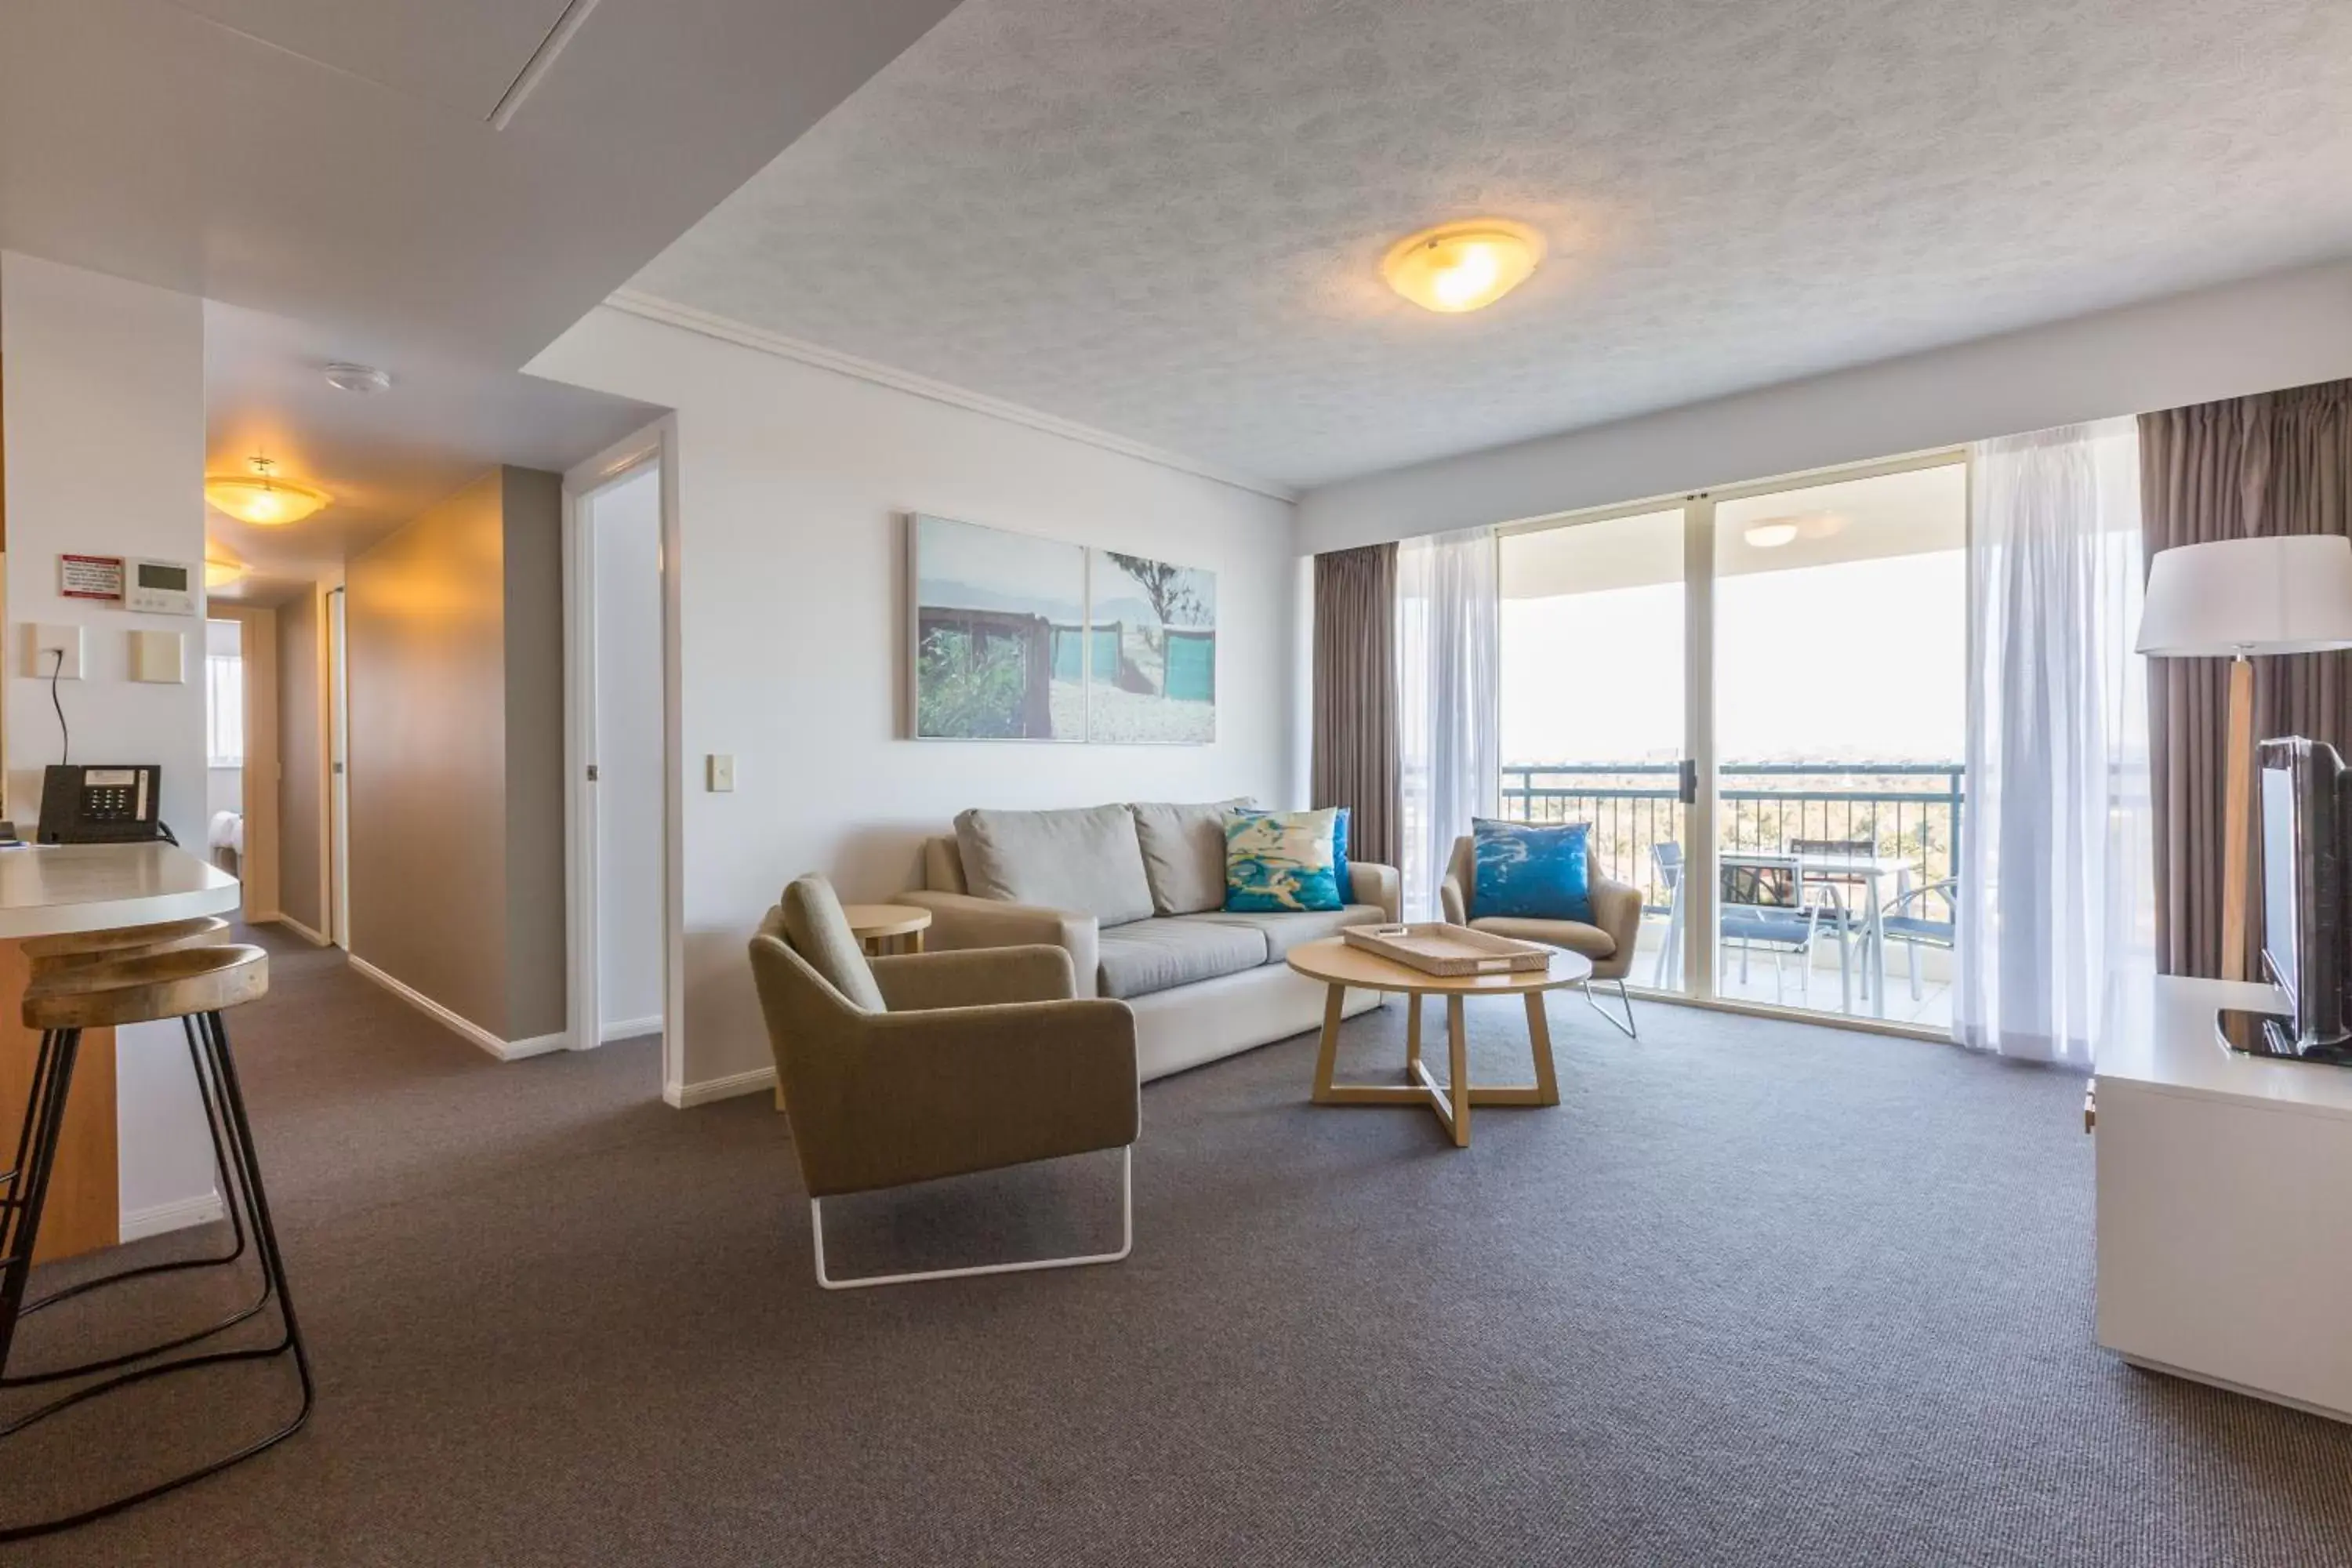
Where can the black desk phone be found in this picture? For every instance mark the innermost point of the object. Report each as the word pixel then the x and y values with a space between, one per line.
pixel 119 804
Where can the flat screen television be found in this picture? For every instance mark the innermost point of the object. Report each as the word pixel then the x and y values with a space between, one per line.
pixel 2305 806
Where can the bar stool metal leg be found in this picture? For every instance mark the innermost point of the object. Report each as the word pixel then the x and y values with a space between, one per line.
pixel 241 1176
pixel 232 1207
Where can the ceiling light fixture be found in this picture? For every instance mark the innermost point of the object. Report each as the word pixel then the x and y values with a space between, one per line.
pixel 345 376
pixel 1771 535
pixel 1459 267
pixel 221 568
pixel 261 497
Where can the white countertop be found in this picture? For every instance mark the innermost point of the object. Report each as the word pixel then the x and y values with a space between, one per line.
pixel 2168 1044
pixel 50 889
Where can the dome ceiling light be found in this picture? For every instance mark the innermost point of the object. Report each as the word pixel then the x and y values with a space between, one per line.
pixel 261 497
pixel 1775 532
pixel 1466 265
pixel 221 565
pixel 345 376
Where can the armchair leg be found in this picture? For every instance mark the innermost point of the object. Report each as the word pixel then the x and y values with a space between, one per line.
pixel 1126 1243
pixel 1625 1025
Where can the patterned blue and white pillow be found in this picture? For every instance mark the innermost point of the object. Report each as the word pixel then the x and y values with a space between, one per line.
pixel 1532 873
pixel 1282 861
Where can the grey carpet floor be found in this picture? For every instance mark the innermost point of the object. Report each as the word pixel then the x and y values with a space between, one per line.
pixel 1757 1293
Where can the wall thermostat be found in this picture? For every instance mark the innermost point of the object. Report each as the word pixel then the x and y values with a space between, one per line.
pixel 160 587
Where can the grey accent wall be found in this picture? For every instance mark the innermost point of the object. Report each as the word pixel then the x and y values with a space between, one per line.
pixel 457 753
pixel 301 805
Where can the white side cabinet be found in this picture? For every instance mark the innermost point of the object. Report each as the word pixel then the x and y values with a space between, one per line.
pixel 2225 1204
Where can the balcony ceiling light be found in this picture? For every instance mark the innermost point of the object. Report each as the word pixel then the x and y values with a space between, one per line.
pixel 1459 267
pixel 261 497
pixel 1775 532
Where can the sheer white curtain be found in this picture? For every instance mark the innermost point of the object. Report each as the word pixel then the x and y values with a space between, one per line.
pixel 2055 899
pixel 1449 699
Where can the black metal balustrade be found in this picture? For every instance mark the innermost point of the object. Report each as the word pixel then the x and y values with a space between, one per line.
pixel 1903 808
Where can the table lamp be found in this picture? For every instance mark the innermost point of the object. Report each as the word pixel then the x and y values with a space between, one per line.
pixel 2282 593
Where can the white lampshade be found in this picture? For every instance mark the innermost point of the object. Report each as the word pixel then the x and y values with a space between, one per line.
pixel 2285 593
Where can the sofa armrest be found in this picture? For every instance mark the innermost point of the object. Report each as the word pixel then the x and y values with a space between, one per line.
pixel 918 982
pixel 1452 901
pixel 1370 882
pixel 959 1089
pixel 961 921
pixel 1617 910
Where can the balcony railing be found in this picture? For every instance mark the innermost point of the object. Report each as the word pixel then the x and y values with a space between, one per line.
pixel 1911 809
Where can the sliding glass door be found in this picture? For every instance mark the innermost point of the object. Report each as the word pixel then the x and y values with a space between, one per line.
pixel 1595 704
pixel 1755 696
pixel 1841 693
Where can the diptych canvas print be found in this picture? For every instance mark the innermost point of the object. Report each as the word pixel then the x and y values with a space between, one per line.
pixel 1017 637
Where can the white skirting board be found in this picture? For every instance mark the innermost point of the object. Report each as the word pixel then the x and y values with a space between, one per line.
pixel 505 1050
pixel 138 1224
pixel 298 927
pixel 686 1095
pixel 630 1030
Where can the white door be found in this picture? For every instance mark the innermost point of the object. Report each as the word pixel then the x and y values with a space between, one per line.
pixel 617 595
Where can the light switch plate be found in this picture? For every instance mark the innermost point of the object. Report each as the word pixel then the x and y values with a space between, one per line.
pixel 45 642
pixel 159 657
pixel 722 773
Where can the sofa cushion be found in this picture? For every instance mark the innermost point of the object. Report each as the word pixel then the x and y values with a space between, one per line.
pixel 820 933
pixel 1145 957
pixel 1088 860
pixel 1573 935
pixel 1184 854
pixel 1284 929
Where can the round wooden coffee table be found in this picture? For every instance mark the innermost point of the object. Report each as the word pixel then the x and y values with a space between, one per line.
pixel 1344 969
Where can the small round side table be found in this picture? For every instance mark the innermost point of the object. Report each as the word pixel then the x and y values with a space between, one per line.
pixel 887 928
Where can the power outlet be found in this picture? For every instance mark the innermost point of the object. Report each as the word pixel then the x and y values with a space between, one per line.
pixel 55 652
pixel 721 773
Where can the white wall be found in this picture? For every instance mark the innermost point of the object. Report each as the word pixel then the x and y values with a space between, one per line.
pixel 624 526
pixel 105 424
pixel 2287 329
pixel 792 485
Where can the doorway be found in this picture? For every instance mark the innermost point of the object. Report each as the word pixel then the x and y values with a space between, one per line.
pixel 618 793
pixel 339 789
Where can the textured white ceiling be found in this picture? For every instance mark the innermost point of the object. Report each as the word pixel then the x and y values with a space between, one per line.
pixel 1163 217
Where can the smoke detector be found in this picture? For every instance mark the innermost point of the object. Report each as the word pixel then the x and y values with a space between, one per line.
pixel 344 376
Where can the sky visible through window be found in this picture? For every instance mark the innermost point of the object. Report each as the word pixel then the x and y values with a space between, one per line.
pixel 1828 659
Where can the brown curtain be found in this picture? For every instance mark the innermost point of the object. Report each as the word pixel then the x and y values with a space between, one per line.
pixel 2278 462
pixel 1355 762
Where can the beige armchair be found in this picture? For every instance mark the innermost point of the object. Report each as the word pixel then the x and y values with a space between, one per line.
pixel 897 1071
pixel 1608 941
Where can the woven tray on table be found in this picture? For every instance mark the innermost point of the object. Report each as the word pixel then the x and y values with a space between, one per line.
pixel 1434 947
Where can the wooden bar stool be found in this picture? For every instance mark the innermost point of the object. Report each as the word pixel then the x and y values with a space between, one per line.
pixel 47 954
pixel 195 984
pixel 50 955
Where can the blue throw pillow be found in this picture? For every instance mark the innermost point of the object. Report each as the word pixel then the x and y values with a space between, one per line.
pixel 1532 873
pixel 1340 857
pixel 1279 862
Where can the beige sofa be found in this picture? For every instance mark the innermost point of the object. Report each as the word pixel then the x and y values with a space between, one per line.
pixel 1135 895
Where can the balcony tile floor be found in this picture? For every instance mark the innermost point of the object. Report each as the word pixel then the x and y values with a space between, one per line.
pixel 1932 1009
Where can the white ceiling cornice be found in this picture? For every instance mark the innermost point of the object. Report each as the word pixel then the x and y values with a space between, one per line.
pixel 668 311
